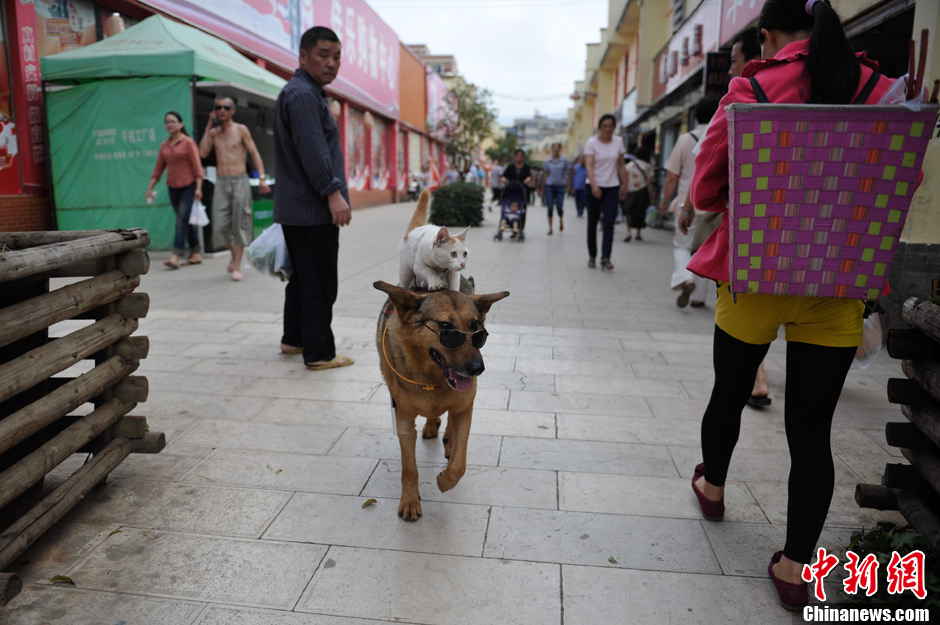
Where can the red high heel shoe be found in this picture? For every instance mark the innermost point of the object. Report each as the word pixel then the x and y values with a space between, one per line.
pixel 711 510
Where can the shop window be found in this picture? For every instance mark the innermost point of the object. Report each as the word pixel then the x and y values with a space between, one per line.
pixel 685 51
pixel 357 168
pixel 65 25
pixel 698 40
pixel 379 155
pixel 678 14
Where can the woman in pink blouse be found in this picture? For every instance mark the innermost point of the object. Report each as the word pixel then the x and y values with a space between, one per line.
pixel 179 156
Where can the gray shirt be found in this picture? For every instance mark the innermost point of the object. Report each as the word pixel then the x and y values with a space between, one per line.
pixel 308 159
pixel 556 172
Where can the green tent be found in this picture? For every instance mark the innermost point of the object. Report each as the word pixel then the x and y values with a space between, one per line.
pixel 106 127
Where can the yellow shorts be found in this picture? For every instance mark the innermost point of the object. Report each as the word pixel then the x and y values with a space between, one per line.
pixel 755 318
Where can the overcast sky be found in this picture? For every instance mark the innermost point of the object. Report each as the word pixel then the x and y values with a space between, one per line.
pixel 515 48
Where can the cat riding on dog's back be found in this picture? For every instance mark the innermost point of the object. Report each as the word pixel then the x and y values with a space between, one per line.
pixel 430 258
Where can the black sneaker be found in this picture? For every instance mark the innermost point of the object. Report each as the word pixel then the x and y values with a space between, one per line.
pixel 592 263
pixel 606 265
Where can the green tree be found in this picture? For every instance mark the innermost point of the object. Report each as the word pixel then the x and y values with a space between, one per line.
pixel 467 122
pixel 505 147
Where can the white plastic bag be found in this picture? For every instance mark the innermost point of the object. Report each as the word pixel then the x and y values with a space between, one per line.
pixel 268 253
pixel 872 342
pixel 198 215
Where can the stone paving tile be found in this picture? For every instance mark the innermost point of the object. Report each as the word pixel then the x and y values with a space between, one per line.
pixel 237 616
pixel 445 528
pixel 185 566
pixel 648 496
pixel 596 595
pixel 618 385
pixel 304 473
pixel 61 548
pixel 746 548
pixel 39 605
pixel 599 540
pixel 480 485
pixel 580 403
pixel 332 390
pixel 758 465
pixel 677 408
pixel 279 368
pixel 184 508
pixel 463 591
pixel 587 456
pixel 192 383
pixel 513 423
pixel 309 439
pixel 581 367
pixel 169 403
pixel 581 340
pixel 166 363
pixel 377 444
pixel 843 512
pixel 324 413
pixel 516 381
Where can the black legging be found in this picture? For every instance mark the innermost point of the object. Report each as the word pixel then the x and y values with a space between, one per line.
pixel 815 376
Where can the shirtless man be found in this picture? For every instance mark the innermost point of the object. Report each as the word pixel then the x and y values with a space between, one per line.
pixel 231 200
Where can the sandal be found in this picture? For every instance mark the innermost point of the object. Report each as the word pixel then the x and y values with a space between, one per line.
pixel 171 264
pixel 338 361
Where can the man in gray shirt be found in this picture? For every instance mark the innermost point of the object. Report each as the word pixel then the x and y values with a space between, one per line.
pixel 311 200
pixel 557 171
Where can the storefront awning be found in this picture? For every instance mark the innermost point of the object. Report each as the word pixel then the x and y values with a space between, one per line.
pixel 161 47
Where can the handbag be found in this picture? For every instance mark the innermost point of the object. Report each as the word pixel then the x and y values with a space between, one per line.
pixel 198 215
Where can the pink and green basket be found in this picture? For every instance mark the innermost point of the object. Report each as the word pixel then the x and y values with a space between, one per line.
pixel 819 195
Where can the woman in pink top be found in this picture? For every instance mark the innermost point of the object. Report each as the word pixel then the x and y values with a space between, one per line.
pixel 179 155
pixel 806 59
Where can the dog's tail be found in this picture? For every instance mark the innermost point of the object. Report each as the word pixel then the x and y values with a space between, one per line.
pixel 420 216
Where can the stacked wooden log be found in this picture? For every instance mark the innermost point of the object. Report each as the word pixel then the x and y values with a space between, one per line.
pixel 42 420
pixel 913 488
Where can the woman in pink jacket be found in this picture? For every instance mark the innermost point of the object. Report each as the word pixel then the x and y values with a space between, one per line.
pixel 806 58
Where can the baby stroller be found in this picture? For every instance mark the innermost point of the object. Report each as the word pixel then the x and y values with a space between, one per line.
pixel 512 212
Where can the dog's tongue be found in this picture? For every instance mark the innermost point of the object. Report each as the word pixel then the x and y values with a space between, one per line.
pixel 460 382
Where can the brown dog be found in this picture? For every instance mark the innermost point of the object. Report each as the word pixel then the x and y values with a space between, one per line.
pixel 428 374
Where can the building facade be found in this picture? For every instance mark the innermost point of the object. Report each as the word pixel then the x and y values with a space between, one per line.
pixel 657 58
pixel 384 96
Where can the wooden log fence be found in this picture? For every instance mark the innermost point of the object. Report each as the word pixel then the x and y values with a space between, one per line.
pixel 38 428
pixel 913 489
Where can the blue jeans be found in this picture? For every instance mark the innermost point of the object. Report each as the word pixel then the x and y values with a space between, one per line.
pixel 182 201
pixel 555 199
pixel 603 210
pixel 580 200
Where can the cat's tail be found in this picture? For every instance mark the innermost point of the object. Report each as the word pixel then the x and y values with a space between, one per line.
pixel 420 216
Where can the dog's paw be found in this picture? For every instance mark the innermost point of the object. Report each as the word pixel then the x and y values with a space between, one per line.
pixel 430 428
pixel 409 509
pixel 445 482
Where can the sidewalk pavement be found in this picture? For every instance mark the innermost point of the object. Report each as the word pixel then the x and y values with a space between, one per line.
pixel 576 509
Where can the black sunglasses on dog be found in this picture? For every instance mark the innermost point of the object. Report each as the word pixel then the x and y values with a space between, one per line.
pixel 219 107
pixel 452 338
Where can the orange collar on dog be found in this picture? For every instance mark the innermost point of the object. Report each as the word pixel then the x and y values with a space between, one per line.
pixel 424 387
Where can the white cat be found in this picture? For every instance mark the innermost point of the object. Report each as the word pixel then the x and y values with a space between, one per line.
pixel 430 258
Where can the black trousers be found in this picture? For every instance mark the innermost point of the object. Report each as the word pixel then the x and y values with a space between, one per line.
pixel 603 210
pixel 311 291
pixel 815 376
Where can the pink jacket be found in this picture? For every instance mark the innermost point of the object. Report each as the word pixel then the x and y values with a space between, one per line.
pixel 783 79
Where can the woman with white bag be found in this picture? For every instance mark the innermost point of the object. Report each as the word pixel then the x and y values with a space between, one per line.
pixel 179 156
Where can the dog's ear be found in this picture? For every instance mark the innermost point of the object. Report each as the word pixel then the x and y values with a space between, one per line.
pixel 403 299
pixel 443 235
pixel 484 302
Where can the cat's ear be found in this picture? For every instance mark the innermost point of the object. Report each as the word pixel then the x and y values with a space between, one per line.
pixel 443 236
pixel 405 301
pixel 462 237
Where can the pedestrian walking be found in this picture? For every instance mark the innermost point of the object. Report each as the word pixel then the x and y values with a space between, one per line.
pixel 807 58
pixel 579 185
pixel 518 171
pixel 311 200
pixel 637 201
pixel 231 198
pixel 603 154
pixel 557 172
pixel 496 184
pixel 179 156
pixel 679 168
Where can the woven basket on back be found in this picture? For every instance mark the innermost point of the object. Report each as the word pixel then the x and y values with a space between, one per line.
pixel 819 195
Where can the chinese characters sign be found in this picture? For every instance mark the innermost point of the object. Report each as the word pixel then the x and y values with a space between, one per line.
pixel 736 15
pixel 903 573
pixel 272 29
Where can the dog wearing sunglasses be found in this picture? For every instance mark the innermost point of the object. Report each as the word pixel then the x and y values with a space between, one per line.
pixel 429 352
